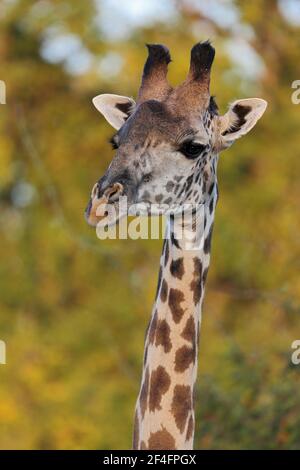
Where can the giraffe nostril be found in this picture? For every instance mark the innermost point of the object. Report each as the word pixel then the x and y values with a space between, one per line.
pixel 113 192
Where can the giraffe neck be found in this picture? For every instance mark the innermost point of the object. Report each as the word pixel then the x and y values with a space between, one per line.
pixel 165 407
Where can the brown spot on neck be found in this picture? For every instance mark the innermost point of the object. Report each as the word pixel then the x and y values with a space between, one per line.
pixel 184 357
pixel 181 405
pixel 207 241
pixel 175 298
pixel 204 275
pixel 161 440
pixel 189 331
pixel 136 434
pixel 144 393
pixel 163 336
pixel 177 268
pixel 164 291
pixel 166 252
pixel 152 328
pixel 196 285
pixel 158 282
pixel 159 385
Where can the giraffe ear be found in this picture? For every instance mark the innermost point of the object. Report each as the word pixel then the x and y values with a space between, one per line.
pixel 239 119
pixel 116 109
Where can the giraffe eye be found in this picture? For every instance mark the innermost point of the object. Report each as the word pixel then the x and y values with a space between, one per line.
pixel 191 149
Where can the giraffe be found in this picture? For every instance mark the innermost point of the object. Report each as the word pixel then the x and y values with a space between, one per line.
pixel 167 148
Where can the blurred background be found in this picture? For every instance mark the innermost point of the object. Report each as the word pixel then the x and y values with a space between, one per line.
pixel 74 309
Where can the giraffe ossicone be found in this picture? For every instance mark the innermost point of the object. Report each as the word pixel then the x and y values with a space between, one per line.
pixel 167 147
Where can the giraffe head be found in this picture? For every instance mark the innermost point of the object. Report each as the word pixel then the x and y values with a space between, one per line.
pixel 167 142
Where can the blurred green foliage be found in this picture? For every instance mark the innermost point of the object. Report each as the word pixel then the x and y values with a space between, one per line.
pixel 74 309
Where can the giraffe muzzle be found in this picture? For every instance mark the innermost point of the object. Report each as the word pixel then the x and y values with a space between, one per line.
pixel 95 211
